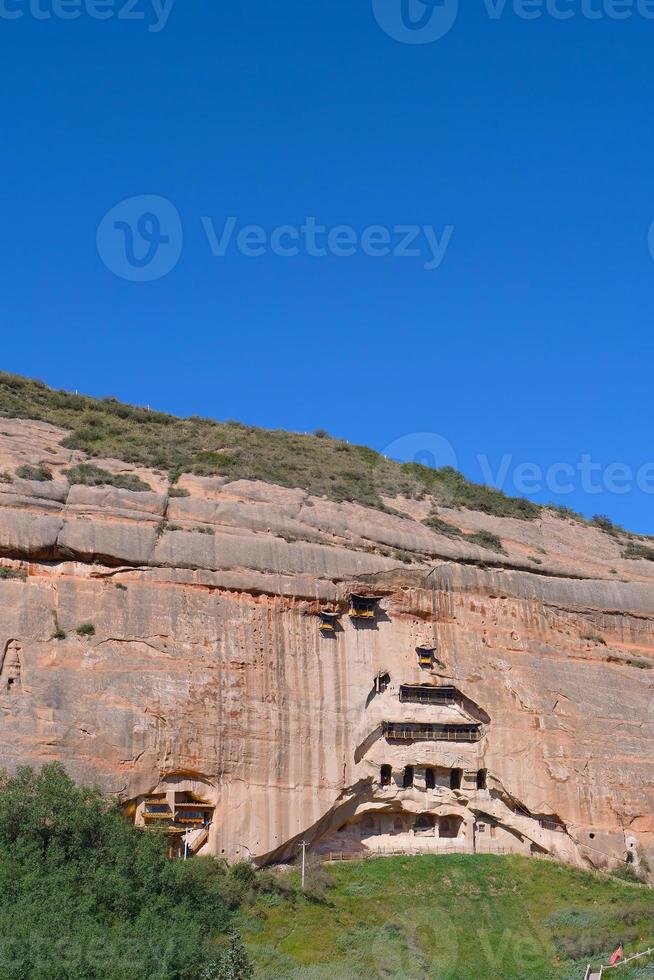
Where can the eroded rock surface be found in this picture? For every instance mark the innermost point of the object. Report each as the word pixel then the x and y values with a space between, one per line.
pixel 207 675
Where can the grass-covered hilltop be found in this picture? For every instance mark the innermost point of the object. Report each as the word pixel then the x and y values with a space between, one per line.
pixel 84 894
pixel 317 463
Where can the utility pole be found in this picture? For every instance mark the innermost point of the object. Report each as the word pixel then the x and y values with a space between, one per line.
pixel 303 845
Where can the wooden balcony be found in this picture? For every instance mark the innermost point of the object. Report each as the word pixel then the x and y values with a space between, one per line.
pixel 425 694
pixel 415 732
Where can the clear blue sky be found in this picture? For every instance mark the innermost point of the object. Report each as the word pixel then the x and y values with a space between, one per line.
pixel 533 139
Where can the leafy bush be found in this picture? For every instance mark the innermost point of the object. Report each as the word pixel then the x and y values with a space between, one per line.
pixel 605 523
pixel 451 489
pixel 635 551
pixel 442 527
pixel 486 540
pixel 16 573
pixel 627 872
pixel 59 634
pixel 178 492
pixel 6 477
pixel 86 629
pixel 94 476
pixel 40 474
pixel 85 894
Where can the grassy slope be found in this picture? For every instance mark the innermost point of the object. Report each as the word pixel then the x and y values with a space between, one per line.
pixel 321 465
pixel 451 918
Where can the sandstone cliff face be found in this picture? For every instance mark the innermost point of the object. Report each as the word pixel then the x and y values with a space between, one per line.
pixel 207 672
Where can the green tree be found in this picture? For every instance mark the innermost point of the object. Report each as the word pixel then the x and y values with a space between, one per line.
pixel 83 894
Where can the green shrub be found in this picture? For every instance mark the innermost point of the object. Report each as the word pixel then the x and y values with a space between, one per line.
pixel 566 513
pixel 451 489
pixel 40 474
pixel 636 551
pixel 605 523
pixel 486 540
pixel 178 492
pixel 442 527
pixel 6 477
pixel 232 964
pixel 86 894
pixel 94 476
pixel 58 634
pixel 15 573
pixel 627 872
pixel 86 629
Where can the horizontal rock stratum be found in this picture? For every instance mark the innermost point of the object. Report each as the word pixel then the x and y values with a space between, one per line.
pixel 493 700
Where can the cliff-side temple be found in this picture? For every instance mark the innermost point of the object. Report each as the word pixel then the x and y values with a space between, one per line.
pixel 427 796
pixel 324 671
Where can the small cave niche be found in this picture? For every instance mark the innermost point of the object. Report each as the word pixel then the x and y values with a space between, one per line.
pixel 10 672
pixel 369 826
pixel 385 775
pixel 430 778
pixel 449 826
pixel 424 824
pixel 408 777
pixel 481 779
pixel 381 682
pixel 456 776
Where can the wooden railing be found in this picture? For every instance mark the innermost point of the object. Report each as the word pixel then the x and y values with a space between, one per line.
pixel 412 694
pixel 400 731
